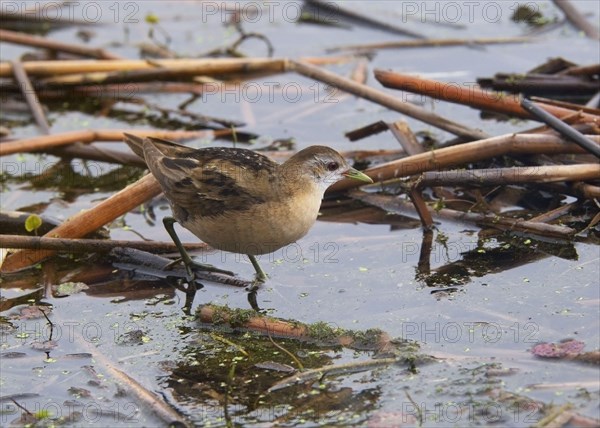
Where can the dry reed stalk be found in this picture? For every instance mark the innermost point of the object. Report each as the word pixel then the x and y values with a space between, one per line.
pixel 191 66
pixel 470 96
pixel 283 155
pixel 118 77
pixel 30 96
pixel 567 131
pixel 421 207
pixel 404 44
pixel 75 150
pixel 47 142
pixel 90 245
pixel 348 14
pixel 467 152
pixel 587 190
pixel 360 73
pixel 582 70
pixel 88 221
pixel 211 314
pixel 406 137
pixel 393 204
pixel 555 213
pixel 368 130
pixel 567 105
pixel 42 42
pixel 577 19
pixel 384 99
pixel 328 60
pixel 515 175
pixel 94 152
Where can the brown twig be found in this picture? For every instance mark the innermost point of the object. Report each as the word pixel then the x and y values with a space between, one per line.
pixel 218 315
pixel 567 105
pixel 47 142
pixel 128 91
pixel 147 400
pixel 582 70
pixel 567 131
pixel 77 149
pixel 189 66
pixel 421 207
pixel 384 99
pixel 44 142
pixel 555 213
pixel 577 19
pixel 470 96
pixel 85 222
pixel 393 204
pixel 534 83
pixel 587 190
pixel 515 175
pixel 117 77
pixel 404 44
pixel 211 314
pixel 405 137
pixel 424 263
pixel 467 152
pixel 96 153
pixel 42 42
pixel 30 96
pixel 349 14
pixel 313 375
pixel 89 245
pixel 150 401
pixel 408 141
pixel 360 72
pixel 366 131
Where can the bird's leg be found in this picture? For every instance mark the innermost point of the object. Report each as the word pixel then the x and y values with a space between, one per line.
pixel 253 302
pixel 259 279
pixel 187 260
pixel 261 276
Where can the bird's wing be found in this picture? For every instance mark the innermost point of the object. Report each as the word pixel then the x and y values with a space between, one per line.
pixel 209 181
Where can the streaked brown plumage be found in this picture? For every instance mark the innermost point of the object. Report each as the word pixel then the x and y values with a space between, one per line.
pixel 238 200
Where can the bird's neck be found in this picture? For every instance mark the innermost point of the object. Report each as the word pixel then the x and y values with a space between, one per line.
pixel 295 181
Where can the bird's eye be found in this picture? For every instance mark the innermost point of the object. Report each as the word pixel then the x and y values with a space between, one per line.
pixel 332 166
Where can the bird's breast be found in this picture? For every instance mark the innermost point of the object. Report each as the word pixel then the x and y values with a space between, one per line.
pixel 262 228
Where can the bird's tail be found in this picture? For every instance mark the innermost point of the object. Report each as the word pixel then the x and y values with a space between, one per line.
pixel 135 143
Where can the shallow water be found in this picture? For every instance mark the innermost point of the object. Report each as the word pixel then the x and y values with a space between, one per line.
pixel 480 320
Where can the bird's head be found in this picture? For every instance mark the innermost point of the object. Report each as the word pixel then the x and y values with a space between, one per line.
pixel 322 166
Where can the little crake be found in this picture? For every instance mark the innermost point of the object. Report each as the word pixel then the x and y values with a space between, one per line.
pixel 238 200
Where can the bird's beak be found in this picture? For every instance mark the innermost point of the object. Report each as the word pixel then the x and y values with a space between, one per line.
pixel 357 175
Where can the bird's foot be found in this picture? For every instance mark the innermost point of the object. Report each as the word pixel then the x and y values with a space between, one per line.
pixel 187 285
pixel 257 282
